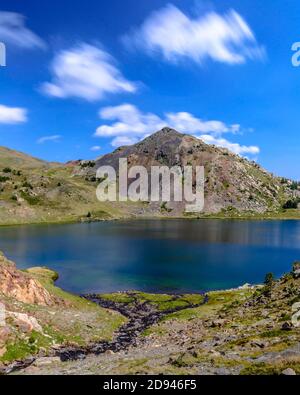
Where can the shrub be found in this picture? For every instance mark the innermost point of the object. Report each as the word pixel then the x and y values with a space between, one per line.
pixel 269 279
pixel 296 266
pixel 26 184
pixel 294 186
pixel 32 200
pixel 87 164
pixel 164 207
pixel 291 204
pixel 101 179
pixel 4 179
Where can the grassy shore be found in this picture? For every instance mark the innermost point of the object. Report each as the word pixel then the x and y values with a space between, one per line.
pixel 100 216
pixel 35 328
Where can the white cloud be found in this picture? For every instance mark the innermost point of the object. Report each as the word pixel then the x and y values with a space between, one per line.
pixel 14 32
pixel 12 115
pixel 233 147
pixel 130 122
pixel 190 124
pixel 96 148
pixel 121 141
pixel 128 125
pixel 173 34
pixel 55 138
pixel 87 72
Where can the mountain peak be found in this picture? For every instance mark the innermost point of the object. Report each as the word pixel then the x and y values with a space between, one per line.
pixel 167 132
pixel 232 182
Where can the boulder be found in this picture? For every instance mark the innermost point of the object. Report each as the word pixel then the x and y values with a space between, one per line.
pixel 287 326
pixel 25 322
pixel 296 270
pixel 296 315
pixel 289 372
pixel 5 333
pixel 218 323
pixel 45 361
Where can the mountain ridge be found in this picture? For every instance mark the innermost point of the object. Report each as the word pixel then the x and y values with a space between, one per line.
pixel 35 191
pixel 232 182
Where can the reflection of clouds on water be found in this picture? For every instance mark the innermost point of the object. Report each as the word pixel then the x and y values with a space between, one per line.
pixel 156 255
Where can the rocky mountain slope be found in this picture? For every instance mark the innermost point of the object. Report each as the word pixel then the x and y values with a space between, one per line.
pixel 15 159
pixel 232 183
pixel 35 191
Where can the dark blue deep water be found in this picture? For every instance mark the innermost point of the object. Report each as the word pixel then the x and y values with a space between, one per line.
pixel 156 256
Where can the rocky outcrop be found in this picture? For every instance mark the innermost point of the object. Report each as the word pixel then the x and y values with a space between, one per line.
pixel 296 270
pixel 296 315
pixel 25 322
pixel 20 286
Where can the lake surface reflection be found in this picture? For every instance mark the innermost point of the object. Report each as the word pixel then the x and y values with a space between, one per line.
pixel 156 256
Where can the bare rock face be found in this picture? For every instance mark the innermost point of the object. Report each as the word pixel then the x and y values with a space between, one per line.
pixel 18 285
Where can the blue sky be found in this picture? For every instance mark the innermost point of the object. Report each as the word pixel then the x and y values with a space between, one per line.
pixel 84 77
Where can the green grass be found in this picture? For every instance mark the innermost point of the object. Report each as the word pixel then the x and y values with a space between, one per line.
pixel 276 333
pixel 76 321
pixel 118 298
pixel 217 300
pixel 291 214
pixel 263 369
pixel 18 351
pixel 22 348
pixel 161 301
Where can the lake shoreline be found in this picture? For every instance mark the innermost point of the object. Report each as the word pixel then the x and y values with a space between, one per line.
pixel 255 217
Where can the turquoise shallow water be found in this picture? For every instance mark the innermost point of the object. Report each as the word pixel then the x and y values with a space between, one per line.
pixel 156 256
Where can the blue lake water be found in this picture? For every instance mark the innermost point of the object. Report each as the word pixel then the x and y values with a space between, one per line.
pixel 156 256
